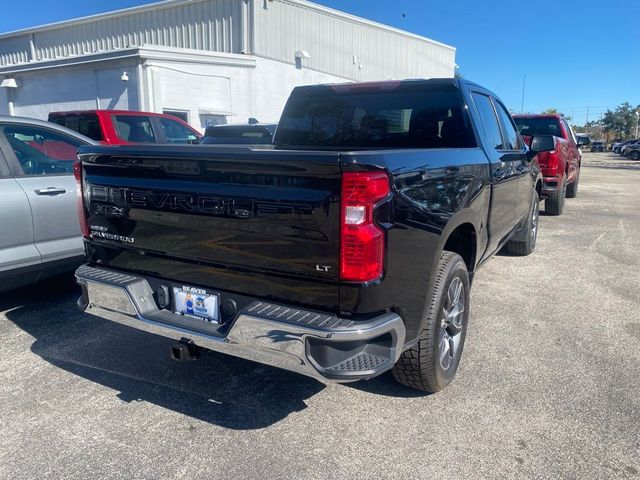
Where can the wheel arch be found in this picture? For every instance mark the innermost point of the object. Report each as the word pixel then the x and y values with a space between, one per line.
pixel 463 240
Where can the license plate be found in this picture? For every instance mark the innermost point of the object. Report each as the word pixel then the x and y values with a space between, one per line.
pixel 197 303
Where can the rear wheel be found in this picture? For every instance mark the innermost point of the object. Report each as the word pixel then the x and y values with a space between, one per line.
pixel 431 364
pixel 635 155
pixel 554 204
pixel 526 247
pixel 572 190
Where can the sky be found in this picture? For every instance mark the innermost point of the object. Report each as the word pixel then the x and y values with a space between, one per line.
pixel 574 53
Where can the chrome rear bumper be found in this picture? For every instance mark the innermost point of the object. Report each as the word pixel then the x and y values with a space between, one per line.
pixel 319 345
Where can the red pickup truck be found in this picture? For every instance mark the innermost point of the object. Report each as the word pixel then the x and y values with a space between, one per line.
pixel 124 127
pixel 560 167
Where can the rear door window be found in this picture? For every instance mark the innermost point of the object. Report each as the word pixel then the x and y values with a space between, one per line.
pixel 569 131
pixel 134 128
pixel 489 120
pixel 512 140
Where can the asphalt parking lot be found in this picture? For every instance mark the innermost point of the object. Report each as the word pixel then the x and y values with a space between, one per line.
pixel 549 385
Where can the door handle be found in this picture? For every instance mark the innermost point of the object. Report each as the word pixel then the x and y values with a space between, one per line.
pixel 50 191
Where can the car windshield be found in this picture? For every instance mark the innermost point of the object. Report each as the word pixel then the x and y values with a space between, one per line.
pixel 342 117
pixel 530 126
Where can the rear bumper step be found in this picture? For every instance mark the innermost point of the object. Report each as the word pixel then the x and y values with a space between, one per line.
pixel 323 346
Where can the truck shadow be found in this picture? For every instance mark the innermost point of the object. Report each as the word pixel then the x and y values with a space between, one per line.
pixel 220 389
pixel 614 166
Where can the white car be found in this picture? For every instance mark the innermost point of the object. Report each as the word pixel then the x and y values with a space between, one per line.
pixel 40 228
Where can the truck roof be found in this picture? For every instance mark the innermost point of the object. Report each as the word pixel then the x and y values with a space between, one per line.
pixel 106 112
pixel 378 85
pixel 538 115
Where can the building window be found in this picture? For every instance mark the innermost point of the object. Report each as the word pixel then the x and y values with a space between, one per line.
pixel 181 114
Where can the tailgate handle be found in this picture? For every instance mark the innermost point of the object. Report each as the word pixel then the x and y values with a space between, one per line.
pixel 50 191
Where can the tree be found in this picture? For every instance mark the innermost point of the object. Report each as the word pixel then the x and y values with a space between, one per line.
pixel 554 111
pixel 621 121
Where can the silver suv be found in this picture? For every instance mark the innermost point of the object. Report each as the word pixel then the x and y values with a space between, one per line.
pixel 39 228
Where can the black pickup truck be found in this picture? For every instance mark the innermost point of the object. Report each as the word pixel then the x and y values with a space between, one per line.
pixel 345 249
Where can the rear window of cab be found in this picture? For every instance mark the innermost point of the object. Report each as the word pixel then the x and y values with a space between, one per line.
pixel 87 124
pixel 346 117
pixel 529 126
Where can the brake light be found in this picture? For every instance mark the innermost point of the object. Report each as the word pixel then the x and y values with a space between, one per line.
pixel 361 240
pixel 82 213
pixel 553 160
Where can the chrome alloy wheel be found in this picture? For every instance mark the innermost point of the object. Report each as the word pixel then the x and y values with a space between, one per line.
pixel 451 323
pixel 534 222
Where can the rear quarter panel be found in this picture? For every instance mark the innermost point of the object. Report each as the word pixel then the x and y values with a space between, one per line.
pixel 435 191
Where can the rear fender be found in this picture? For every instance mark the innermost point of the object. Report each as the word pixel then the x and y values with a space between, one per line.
pixel 466 216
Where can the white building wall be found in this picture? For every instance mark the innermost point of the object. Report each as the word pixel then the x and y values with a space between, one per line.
pixel 76 88
pixel 273 83
pixel 338 43
pixel 235 92
pixel 345 45
pixel 196 65
pixel 4 102
pixel 209 25
pixel 201 90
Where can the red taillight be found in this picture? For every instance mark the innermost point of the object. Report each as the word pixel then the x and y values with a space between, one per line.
pixel 549 161
pixel 553 160
pixel 361 240
pixel 82 213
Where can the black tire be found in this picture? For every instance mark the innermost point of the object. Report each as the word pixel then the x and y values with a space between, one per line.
pixel 635 155
pixel 572 189
pixel 554 204
pixel 423 366
pixel 526 247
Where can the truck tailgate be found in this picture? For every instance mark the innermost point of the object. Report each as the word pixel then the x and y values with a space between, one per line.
pixel 228 218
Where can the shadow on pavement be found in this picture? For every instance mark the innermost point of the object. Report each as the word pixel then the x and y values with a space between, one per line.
pixel 219 389
pixel 614 166
pixel 386 385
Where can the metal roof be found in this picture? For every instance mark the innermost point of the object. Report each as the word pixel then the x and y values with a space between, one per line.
pixel 173 3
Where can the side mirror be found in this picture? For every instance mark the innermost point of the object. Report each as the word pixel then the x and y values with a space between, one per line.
pixel 542 143
pixel 583 141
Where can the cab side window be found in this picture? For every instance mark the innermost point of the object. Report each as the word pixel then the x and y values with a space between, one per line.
pixel 40 151
pixel 512 138
pixel 135 128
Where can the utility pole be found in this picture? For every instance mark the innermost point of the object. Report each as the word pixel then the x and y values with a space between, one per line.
pixel 601 128
pixel 586 124
pixel 524 81
pixel 637 121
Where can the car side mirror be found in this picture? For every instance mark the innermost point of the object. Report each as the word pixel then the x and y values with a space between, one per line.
pixel 583 141
pixel 542 143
